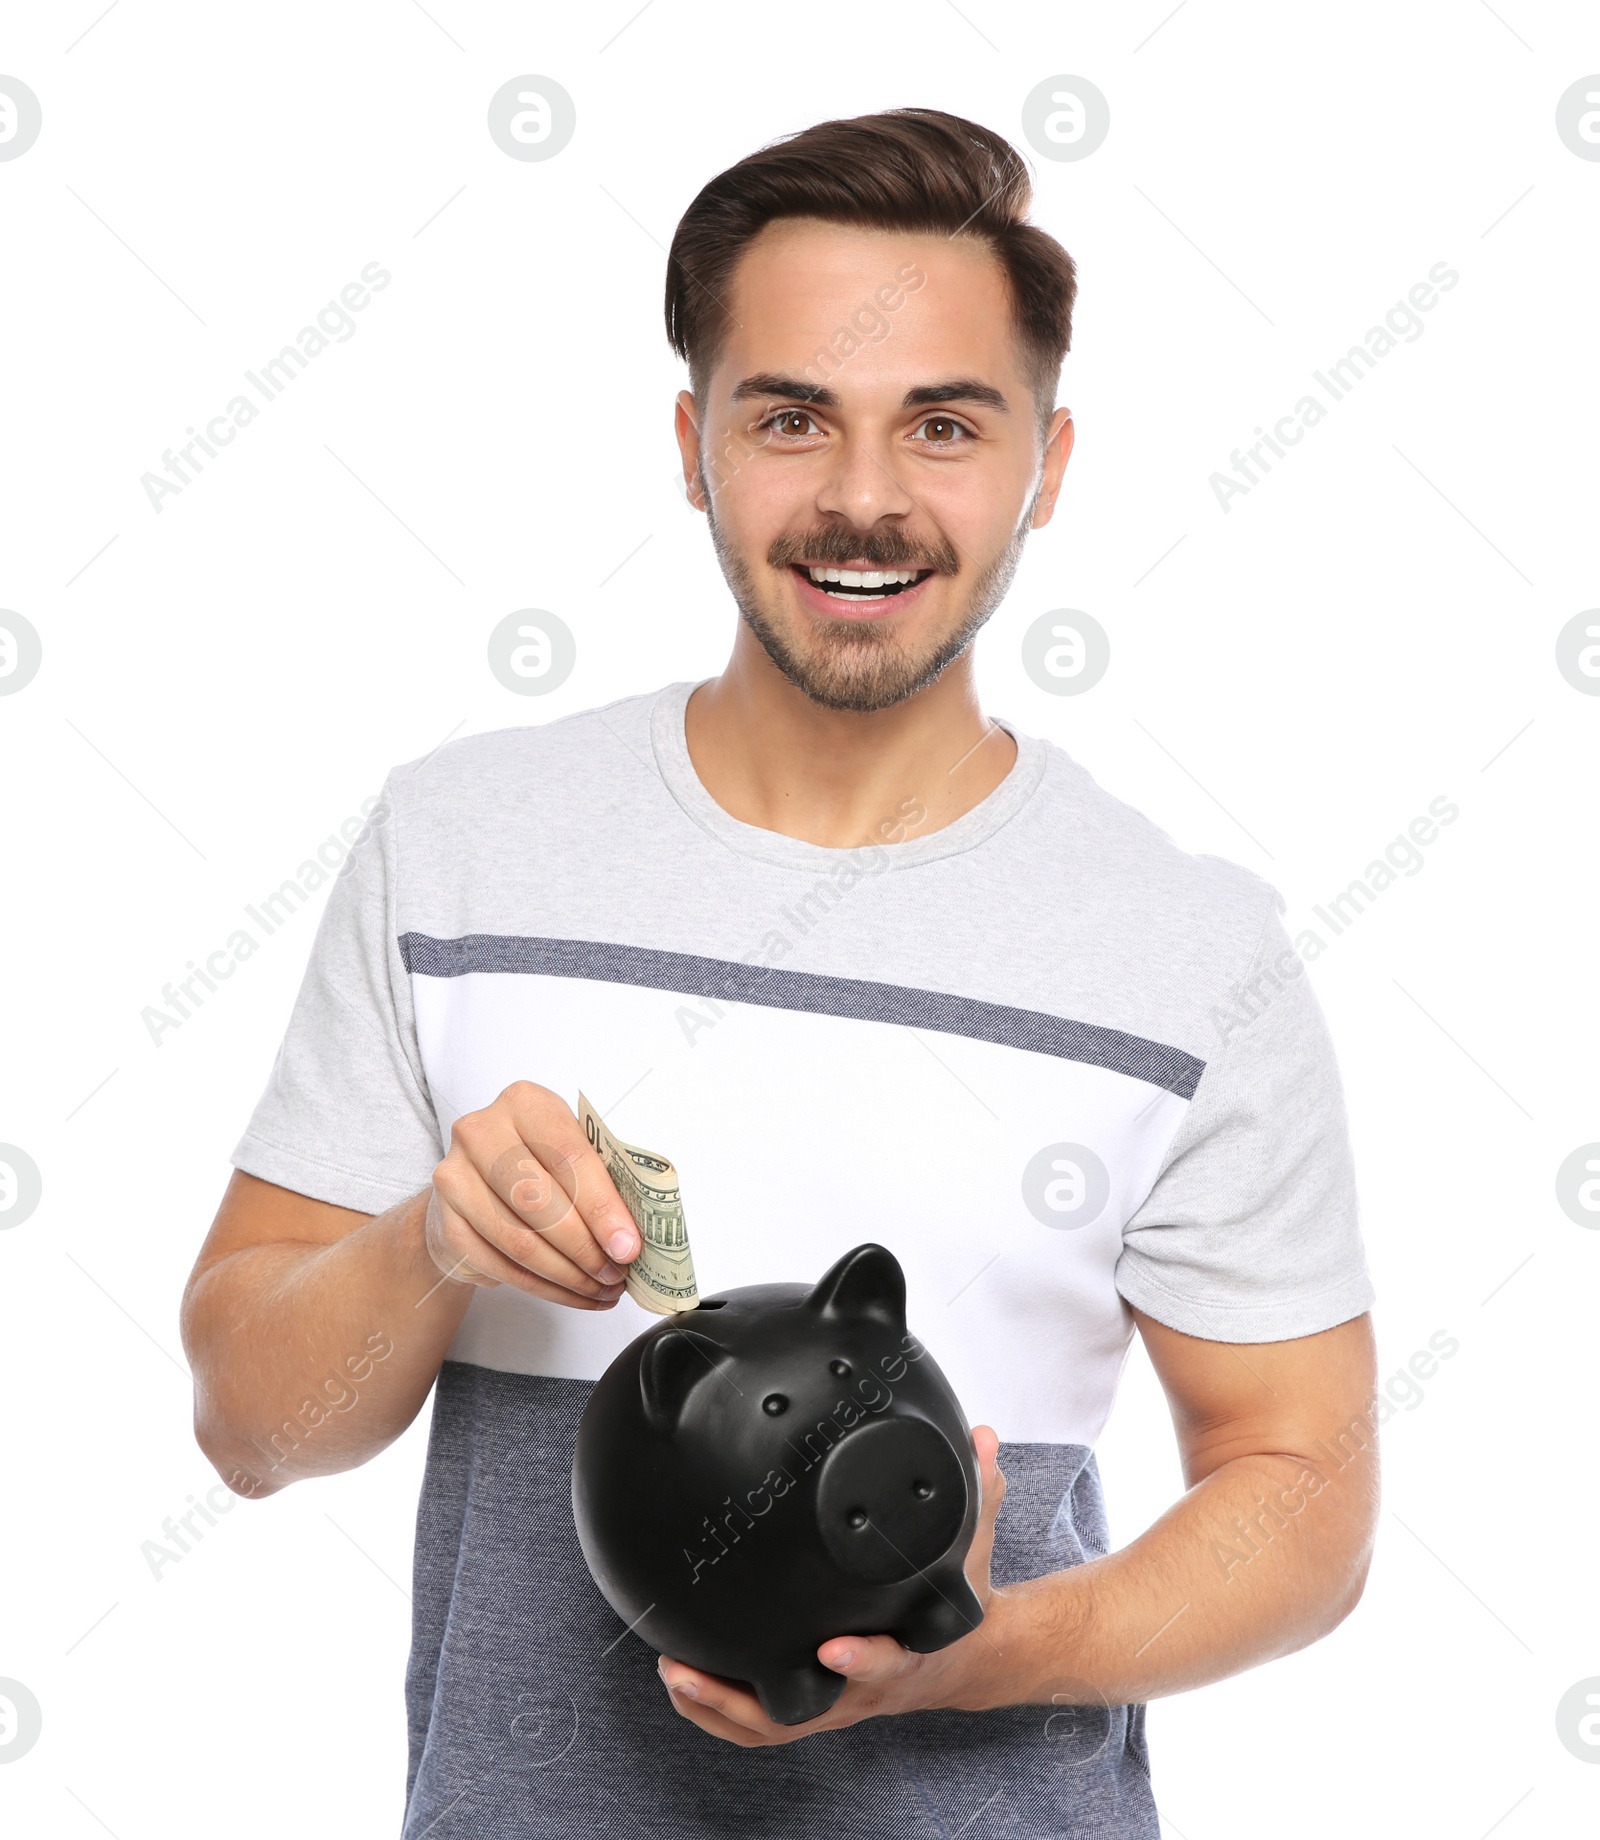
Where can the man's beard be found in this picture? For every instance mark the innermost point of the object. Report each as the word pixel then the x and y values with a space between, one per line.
pixel 862 665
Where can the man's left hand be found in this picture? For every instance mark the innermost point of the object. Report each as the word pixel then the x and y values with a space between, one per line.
pixel 882 1676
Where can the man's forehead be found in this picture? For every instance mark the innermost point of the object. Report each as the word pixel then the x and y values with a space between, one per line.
pixel 898 309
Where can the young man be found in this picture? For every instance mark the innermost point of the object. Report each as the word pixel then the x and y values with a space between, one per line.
pixel 868 966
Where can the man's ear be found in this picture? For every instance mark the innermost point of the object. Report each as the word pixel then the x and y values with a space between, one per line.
pixel 1057 451
pixel 687 426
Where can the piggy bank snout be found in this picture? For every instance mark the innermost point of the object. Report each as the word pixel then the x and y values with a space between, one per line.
pixel 892 1498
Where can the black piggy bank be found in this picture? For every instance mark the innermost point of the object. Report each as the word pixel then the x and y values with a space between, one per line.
pixel 775 1467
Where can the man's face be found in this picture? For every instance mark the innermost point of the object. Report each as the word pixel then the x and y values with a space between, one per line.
pixel 868 416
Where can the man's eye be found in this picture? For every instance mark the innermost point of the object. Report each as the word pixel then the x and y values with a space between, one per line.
pixel 792 422
pixel 946 431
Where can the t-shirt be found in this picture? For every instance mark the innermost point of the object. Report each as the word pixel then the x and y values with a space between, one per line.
pixel 1054 1062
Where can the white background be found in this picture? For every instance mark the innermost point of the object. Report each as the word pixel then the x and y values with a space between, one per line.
pixel 1374 625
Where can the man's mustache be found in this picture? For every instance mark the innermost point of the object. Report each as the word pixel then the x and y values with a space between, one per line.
pixel 882 550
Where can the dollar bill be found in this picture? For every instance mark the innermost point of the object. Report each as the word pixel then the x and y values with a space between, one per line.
pixel 661 1278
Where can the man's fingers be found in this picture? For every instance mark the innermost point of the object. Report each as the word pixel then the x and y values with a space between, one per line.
pixel 474 1254
pixel 868 1660
pixel 536 1192
pixel 568 1193
pixel 717 1723
pixel 472 1223
pixel 526 1178
pixel 723 1707
pixel 986 1442
pixel 548 1123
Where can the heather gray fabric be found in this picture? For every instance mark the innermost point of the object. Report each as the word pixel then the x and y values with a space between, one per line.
pixel 534 1713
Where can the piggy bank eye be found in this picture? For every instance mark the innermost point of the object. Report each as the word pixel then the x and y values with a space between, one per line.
pixel 841 1368
pixel 773 1404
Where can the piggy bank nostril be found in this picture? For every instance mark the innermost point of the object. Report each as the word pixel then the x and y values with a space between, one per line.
pixel 839 1368
pixel 857 1517
pixel 773 1404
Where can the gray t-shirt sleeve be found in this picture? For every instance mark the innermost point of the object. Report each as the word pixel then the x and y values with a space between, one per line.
pixel 1250 1233
pixel 346 1115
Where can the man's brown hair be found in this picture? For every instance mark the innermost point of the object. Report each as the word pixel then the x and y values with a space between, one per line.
pixel 916 170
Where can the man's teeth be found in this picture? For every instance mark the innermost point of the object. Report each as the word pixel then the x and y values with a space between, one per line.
pixel 864 578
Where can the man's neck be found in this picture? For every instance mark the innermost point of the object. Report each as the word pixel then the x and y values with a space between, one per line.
pixel 771 757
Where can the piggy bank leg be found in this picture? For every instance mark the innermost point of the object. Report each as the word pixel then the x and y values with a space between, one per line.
pixel 790 1696
pixel 948 1611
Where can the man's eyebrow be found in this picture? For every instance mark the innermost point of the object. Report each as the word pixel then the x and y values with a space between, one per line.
pixel 768 383
pixel 960 389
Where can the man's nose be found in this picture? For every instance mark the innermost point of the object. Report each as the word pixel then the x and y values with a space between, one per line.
pixel 863 485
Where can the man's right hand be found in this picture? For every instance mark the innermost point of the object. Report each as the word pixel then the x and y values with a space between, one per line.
pixel 522 1198
pixel 290 1295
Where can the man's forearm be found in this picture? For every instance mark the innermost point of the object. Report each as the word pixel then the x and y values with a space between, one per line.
pixel 310 1358
pixel 1261 1558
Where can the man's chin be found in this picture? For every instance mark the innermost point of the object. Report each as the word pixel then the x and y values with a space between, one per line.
pixel 858 667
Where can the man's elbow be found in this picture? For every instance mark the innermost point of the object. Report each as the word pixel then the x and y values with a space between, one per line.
pixel 1344 1594
pixel 1336 1612
pixel 246 1474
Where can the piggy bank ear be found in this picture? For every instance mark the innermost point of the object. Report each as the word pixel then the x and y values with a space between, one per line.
pixel 672 1362
pixel 866 1283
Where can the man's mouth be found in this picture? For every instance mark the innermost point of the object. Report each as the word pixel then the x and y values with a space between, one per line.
pixel 859 584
